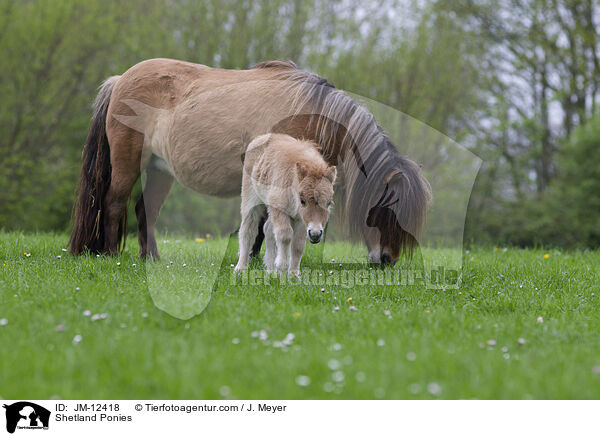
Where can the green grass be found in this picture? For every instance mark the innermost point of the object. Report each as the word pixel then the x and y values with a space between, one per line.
pixel 432 344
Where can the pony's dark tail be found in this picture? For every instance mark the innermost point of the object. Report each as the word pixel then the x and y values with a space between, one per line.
pixel 88 211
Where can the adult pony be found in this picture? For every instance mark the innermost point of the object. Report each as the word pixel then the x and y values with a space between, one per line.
pixel 190 122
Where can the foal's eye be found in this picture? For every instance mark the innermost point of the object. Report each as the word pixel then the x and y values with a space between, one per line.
pixel 302 201
pixel 329 203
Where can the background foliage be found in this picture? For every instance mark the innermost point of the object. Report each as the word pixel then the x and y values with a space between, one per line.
pixel 515 81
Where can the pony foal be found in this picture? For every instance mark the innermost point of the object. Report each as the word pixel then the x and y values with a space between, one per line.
pixel 289 178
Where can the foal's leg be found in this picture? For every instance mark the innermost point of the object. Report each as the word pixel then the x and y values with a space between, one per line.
pixel 283 238
pixel 298 244
pixel 158 185
pixel 270 247
pixel 247 235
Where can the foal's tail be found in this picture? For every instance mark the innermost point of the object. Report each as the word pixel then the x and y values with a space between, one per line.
pixel 88 211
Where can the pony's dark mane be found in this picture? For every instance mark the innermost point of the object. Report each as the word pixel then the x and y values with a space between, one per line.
pixel 366 154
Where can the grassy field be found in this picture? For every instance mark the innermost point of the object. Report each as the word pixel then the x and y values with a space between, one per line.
pixel 525 324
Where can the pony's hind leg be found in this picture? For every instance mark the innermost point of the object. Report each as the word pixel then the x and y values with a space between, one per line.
pixel 157 188
pixel 247 235
pixel 260 237
pixel 123 178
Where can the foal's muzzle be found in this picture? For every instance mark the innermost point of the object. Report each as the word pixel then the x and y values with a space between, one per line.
pixel 314 236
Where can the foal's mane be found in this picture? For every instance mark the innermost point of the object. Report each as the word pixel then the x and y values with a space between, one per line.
pixel 366 154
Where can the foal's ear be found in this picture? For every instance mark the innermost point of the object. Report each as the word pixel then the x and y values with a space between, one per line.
pixel 392 175
pixel 331 174
pixel 301 170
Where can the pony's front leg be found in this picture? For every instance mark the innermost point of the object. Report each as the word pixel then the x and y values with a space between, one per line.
pixel 283 238
pixel 247 235
pixel 298 244
pixel 270 247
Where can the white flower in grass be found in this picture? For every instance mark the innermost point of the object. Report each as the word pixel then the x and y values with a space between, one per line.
pixel 145 315
pixel 379 393
pixel 411 357
pixel 3 321
pixel 225 391
pixel 415 388
pixel 380 342
pixel 336 347
pixel 491 342
pixel 77 339
pixel 235 341
pixel 333 364
pixel 303 380
pixel 360 377
pixel 434 389
pixel 289 338
pixel 87 313
pixel 521 341
pixel 540 319
pixel 338 376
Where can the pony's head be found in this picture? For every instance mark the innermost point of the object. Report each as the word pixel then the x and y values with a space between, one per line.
pixel 392 202
pixel 315 193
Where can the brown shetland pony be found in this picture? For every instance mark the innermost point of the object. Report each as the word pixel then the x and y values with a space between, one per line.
pixel 190 122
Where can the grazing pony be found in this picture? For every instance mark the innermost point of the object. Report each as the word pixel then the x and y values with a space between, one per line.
pixel 288 179
pixel 190 122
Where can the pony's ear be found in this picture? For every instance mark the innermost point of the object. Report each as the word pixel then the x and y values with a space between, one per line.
pixel 392 175
pixel 300 170
pixel 331 174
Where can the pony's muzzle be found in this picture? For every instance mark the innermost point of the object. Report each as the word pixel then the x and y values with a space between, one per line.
pixel 386 259
pixel 314 236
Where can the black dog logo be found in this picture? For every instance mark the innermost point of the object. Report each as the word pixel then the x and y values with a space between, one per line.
pixel 26 415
